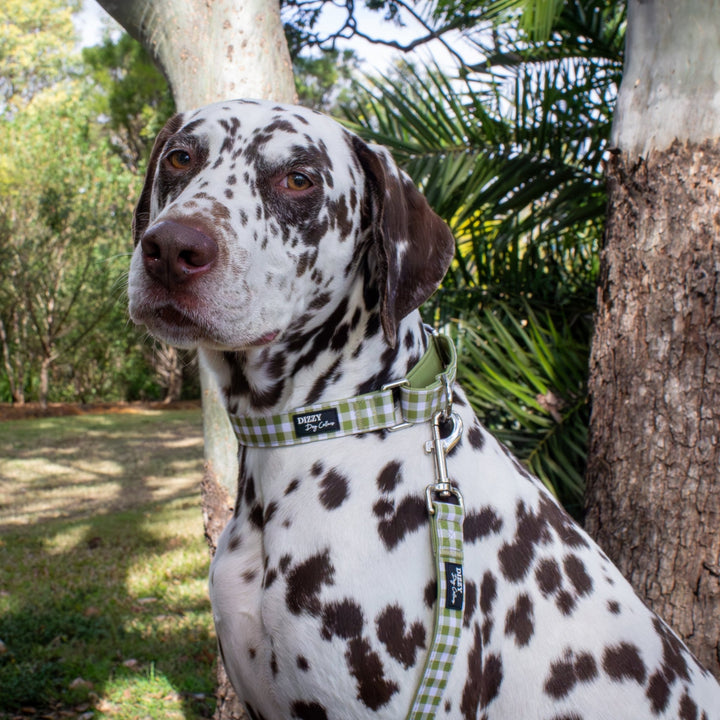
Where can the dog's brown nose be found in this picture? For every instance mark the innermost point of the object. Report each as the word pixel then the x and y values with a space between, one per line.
pixel 174 254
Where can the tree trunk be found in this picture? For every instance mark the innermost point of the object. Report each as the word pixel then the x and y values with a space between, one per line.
pixel 167 362
pixel 653 490
pixel 14 370
pixel 44 388
pixel 212 51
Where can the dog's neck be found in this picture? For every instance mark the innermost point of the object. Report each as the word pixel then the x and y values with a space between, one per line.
pixel 343 353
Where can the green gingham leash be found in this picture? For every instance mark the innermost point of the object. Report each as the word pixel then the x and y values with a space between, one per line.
pixel 446 532
pixel 424 395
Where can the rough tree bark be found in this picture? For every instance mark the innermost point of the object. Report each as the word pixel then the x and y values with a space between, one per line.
pixel 653 490
pixel 212 50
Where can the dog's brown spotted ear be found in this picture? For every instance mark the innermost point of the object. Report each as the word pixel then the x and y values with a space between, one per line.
pixel 141 216
pixel 413 246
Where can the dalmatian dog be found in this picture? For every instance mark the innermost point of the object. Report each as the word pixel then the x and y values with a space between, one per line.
pixel 294 256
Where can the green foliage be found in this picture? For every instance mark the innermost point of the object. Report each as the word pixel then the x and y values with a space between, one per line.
pixel 522 203
pixel 535 18
pixel 132 93
pixel 322 78
pixel 35 46
pixel 510 153
pixel 65 207
pixel 323 81
pixel 72 143
pixel 528 380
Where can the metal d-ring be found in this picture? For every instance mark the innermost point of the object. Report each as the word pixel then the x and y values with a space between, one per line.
pixel 447 410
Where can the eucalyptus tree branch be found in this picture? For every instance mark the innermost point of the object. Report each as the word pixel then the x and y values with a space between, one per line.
pixel 350 29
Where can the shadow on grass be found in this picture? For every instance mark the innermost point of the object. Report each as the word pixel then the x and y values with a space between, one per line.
pixel 105 614
pixel 91 464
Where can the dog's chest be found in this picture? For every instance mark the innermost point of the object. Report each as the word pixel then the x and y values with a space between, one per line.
pixel 327 569
pixel 311 577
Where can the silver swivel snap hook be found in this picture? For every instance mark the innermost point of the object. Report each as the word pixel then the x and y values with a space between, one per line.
pixel 440 447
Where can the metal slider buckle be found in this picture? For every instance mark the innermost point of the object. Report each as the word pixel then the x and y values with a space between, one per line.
pixel 397 406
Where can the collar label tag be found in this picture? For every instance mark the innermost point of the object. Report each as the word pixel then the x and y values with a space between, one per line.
pixel 316 423
pixel 455 586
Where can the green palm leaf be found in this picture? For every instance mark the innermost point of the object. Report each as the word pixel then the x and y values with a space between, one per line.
pixel 510 153
pixel 526 377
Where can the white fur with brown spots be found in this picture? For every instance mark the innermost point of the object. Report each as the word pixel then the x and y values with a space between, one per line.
pixel 294 256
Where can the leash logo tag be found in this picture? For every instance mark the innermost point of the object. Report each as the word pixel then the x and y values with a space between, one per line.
pixel 455 586
pixel 316 423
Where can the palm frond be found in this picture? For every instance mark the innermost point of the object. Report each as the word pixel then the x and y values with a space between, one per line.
pixel 526 377
pixel 509 153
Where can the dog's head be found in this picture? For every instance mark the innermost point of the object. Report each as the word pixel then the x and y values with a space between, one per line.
pixel 255 216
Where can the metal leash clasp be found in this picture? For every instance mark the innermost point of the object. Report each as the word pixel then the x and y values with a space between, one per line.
pixel 441 446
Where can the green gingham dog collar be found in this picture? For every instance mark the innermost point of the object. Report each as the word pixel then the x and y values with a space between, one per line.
pixel 413 400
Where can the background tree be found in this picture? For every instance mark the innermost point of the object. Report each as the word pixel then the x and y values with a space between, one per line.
pixel 57 225
pixel 654 464
pixel 68 164
pixel 35 45
pixel 209 53
pixel 137 101
pixel 61 257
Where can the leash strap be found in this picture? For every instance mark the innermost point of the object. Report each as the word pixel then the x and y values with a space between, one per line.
pixel 447 540
pixel 415 399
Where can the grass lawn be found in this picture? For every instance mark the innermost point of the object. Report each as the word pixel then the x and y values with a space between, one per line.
pixel 103 568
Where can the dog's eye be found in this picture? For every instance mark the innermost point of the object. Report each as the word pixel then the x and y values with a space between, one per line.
pixel 297 181
pixel 179 159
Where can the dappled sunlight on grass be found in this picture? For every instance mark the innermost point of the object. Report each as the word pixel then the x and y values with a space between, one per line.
pixel 103 582
pixel 65 541
pixel 75 466
pixel 65 496
pixel 151 695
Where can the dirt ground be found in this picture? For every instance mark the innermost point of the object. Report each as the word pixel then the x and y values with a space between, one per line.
pixel 33 410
